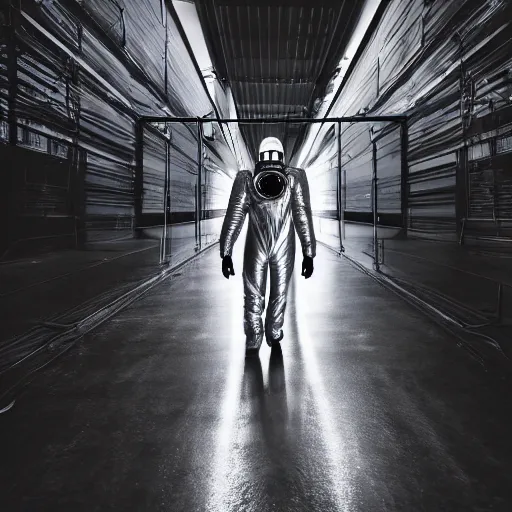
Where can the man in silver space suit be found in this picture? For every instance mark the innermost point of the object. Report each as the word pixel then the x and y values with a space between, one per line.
pixel 277 199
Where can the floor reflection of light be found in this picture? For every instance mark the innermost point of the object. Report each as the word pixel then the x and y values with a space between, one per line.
pixel 340 468
pixel 224 466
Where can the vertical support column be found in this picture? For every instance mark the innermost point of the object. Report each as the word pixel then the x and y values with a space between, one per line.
pixel 168 239
pixel 196 224
pixel 376 265
pixel 163 244
pixel 340 201
pixel 404 176
pixel 343 201
pixel 138 186
pixel 199 188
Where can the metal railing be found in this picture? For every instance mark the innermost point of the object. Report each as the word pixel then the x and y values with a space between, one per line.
pixel 400 120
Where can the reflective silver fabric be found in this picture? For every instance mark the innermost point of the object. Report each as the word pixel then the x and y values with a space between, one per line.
pixel 270 243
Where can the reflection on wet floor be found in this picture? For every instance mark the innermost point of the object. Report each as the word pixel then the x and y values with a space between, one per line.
pixel 268 402
pixel 365 406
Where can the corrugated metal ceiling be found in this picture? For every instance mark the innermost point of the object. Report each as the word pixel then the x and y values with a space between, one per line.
pixel 278 57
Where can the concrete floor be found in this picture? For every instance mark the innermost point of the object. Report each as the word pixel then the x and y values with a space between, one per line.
pixel 36 289
pixel 40 288
pixel 470 283
pixel 371 407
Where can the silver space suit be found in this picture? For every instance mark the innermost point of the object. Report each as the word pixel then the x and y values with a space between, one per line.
pixel 277 199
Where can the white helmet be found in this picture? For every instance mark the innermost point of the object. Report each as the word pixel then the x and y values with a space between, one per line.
pixel 271 149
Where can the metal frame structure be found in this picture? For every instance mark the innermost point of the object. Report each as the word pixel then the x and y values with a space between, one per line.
pixel 398 119
pixel 276 120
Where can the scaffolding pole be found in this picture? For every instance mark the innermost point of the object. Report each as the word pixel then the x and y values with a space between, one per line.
pixel 376 265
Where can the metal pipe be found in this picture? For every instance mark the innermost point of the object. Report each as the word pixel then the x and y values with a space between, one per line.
pixel 168 204
pixel 195 206
pixel 343 200
pixel 199 179
pixel 341 213
pixel 163 245
pixel 166 199
pixel 270 120
pixel 375 204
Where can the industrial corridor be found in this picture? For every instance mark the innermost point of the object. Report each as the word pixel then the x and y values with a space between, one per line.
pixel 368 406
pixel 255 255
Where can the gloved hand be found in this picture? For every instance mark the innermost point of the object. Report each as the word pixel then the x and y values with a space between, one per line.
pixel 227 267
pixel 307 267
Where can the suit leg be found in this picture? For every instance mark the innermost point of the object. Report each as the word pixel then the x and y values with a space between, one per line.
pixel 281 268
pixel 255 282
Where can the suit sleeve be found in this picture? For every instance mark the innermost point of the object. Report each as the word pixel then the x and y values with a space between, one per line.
pixel 302 215
pixel 235 214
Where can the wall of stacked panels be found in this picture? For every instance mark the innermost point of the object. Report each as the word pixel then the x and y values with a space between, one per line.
pixel 448 66
pixel 84 220
pixel 74 78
